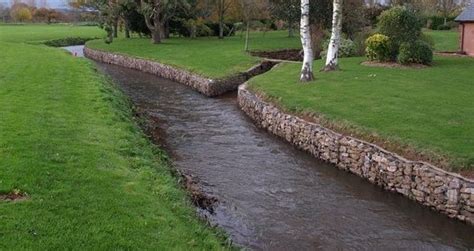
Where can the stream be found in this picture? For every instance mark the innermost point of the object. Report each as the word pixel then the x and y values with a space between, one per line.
pixel 272 196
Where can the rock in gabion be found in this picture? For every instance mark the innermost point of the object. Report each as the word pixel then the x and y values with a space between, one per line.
pixel 206 86
pixel 446 192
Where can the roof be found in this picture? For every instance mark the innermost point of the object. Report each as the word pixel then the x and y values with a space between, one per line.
pixel 467 15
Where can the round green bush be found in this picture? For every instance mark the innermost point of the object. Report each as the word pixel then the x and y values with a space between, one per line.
pixel 401 25
pixel 418 52
pixel 378 47
pixel 347 48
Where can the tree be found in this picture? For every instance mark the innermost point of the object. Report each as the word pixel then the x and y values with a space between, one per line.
pixel 251 10
pixel 288 11
pixel 46 15
pixel 333 48
pixel 157 14
pixel 20 12
pixel 4 13
pixel 126 10
pixel 107 13
pixel 446 8
pixel 222 6
pixel 305 34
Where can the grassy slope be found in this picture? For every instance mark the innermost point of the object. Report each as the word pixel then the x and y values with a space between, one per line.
pixel 206 56
pixel 445 40
pixel 94 181
pixel 429 108
pixel 38 33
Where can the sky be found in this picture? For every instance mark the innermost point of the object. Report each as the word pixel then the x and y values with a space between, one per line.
pixel 49 3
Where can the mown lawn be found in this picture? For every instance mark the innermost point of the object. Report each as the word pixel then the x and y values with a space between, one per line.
pixel 445 40
pixel 209 57
pixel 93 181
pixel 39 33
pixel 430 109
pixel 215 58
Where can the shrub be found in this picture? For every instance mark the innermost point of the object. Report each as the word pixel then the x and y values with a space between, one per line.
pixel 428 39
pixel 378 47
pixel 228 28
pixel 448 26
pixel 372 13
pixel 359 40
pixel 444 27
pixel 401 25
pixel 200 28
pixel 437 23
pixel 418 52
pixel 347 48
pixel 69 41
pixel 196 28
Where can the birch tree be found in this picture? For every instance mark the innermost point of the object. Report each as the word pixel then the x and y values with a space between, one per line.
pixel 305 34
pixel 333 48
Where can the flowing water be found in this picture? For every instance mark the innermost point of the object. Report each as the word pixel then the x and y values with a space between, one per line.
pixel 272 196
pixel 75 50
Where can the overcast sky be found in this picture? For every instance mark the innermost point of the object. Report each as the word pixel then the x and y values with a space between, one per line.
pixel 50 3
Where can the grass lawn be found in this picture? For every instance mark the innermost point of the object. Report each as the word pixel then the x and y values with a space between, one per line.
pixel 67 140
pixel 430 109
pixel 216 58
pixel 39 33
pixel 445 40
pixel 209 57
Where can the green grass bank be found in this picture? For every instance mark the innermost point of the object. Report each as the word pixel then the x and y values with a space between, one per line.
pixel 209 57
pixel 68 140
pixel 417 112
pixel 214 58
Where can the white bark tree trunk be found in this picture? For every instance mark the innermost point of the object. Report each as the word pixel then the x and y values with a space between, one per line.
pixel 305 34
pixel 333 48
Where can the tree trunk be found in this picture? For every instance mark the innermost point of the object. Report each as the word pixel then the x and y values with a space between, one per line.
pixel 156 35
pixel 247 34
pixel 115 28
pixel 221 12
pixel 127 29
pixel 291 31
pixel 155 27
pixel 221 28
pixel 333 48
pixel 165 31
pixel 110 38
pixel 305 34
pixel 193 30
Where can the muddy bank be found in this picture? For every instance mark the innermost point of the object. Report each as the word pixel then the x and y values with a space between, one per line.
pixel 289 54
pixel 271 195
pixel 206 86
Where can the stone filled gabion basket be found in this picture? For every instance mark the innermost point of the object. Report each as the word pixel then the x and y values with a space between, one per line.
pixel 206 86
pixel 446 192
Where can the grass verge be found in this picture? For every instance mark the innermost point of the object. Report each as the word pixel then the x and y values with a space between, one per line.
pixel 209 57
pixel 425 113
pixel 90 178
